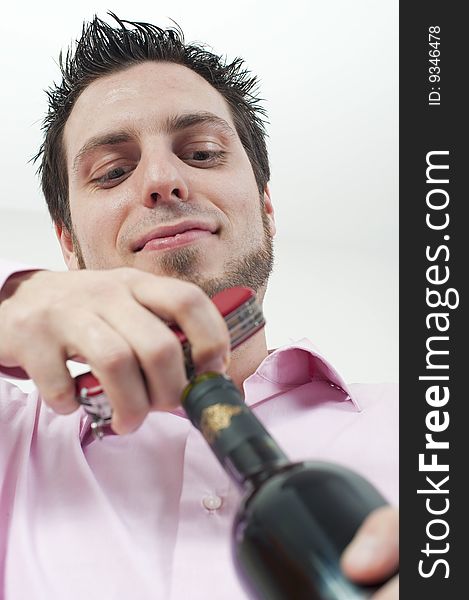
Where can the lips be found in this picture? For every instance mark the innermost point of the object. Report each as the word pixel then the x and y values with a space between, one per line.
pixel 174 235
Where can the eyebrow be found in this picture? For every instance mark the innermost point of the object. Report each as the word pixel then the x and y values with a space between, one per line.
pixel 171 125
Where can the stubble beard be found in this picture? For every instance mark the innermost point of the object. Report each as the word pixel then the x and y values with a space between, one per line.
pixel 250 270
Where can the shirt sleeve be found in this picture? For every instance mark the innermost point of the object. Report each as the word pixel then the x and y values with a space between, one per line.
pixel 7 269
pixel 18 421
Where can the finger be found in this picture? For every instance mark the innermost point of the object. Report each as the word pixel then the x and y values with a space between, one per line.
pixel 46 366
pixel 188 306
pixel 390 591
pixel 114 363
pixel 373 554
pixel 157 349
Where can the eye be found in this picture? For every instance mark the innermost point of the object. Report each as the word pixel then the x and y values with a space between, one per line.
pixel 113 176
pixel 204 158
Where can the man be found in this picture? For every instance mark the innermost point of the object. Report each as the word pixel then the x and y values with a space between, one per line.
pixel 155 171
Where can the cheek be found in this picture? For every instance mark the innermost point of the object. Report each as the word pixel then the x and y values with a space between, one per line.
pixel 245 208
pixel 97 222
pixel 238 196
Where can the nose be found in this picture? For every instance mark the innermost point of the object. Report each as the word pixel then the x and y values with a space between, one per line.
pixel 163 179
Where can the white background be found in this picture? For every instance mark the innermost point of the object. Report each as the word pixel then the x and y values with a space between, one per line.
pixel 329 75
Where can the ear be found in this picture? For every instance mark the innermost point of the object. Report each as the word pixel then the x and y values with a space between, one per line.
pixel 66 245
pixel 269 209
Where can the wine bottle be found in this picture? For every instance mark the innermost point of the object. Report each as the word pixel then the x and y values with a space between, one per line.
pixel 295 519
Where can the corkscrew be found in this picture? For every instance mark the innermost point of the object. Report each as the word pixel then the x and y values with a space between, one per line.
pixel 244 318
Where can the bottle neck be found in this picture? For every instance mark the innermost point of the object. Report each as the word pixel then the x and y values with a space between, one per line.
pixel 245 449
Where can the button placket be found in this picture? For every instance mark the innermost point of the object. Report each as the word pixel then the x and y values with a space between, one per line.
pixel 206 510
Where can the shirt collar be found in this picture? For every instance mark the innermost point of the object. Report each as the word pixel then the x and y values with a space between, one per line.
pixel 290 366
pixel 285 368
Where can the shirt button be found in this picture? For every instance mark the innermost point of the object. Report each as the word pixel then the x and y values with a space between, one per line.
pixel 212 502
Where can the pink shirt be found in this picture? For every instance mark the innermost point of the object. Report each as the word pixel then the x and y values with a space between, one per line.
pixel 148 515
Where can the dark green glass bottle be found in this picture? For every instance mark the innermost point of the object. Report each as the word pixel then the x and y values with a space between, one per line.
pixel 295 519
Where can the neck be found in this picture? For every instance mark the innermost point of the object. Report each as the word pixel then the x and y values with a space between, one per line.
pixel 246 358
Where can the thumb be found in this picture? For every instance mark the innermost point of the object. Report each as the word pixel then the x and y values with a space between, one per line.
pixel 373 554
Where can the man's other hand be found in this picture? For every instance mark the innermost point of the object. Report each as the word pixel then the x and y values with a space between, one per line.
pixel 373 554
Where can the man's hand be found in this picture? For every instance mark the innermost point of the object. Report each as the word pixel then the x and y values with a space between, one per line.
pixel 373 554
pixel 115 320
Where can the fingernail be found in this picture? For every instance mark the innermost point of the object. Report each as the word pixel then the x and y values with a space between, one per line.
pixel 121 428
pixel 217 364
pixel 361 552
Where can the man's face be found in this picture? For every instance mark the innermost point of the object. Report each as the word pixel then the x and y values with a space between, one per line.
pixel 159 180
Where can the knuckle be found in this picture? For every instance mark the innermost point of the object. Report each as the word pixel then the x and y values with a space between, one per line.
pixel 57 311
pixel 24 320
pixel 103 287
pixel 210 351
pixel 218 346
pixel 116 359
pixel 189 297
pixel 166 350
pixel 126 274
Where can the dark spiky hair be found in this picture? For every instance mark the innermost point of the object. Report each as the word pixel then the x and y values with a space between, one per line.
pixel 103 50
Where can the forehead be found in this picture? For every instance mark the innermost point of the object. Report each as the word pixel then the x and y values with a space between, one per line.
pixel 141 97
